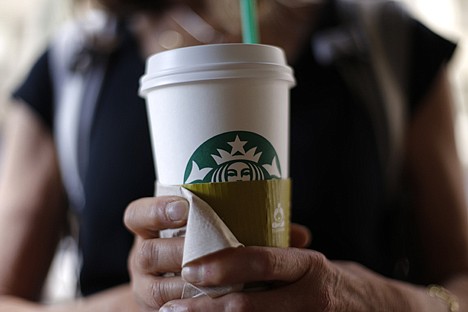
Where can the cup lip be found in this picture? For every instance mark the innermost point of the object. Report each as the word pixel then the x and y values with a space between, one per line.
pixel 213 62
pixel 273 50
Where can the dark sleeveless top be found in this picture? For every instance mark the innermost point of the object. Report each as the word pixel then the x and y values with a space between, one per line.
pixel 338 189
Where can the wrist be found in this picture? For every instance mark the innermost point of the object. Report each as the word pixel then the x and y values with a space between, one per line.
pixel 439 292
pixel 431 298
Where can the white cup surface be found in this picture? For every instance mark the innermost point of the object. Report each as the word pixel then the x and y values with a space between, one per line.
pixel 219 113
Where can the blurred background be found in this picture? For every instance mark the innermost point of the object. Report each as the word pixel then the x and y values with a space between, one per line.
pixel 449 18
pixel 26 25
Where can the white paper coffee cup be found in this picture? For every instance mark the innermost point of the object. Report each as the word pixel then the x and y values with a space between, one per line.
pixel 219 113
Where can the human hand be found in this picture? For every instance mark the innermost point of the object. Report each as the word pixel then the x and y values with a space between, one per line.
pixel 152 257
pixel 301 280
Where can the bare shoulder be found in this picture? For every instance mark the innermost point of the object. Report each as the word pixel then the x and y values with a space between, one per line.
pixel 437 183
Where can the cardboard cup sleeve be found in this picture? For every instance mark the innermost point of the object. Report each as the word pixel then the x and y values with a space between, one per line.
pixel 231 215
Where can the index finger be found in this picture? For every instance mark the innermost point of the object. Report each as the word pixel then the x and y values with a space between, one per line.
pixel 147 216
pixel 253 264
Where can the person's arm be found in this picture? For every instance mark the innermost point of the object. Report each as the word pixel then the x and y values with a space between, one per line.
pixel 32 216
pixel 32 210
pixel 304 280
pixel 117 299
pixel 439 193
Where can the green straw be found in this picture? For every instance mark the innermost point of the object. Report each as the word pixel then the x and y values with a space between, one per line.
pixel 249 21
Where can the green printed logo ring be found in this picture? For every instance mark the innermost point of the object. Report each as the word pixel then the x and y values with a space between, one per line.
pixel 233 156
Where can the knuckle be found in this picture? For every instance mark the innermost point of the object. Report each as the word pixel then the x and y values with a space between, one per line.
pixel 320 262
pixel 270 264
pixel 155 295
pixel 154 292
pixel 155 215
pixel 164 290
pixel 273 264
pixel 158 294
pixel 146 256
pixel 161 215
pixel 239 303
pixel 143 294
pixel 326 295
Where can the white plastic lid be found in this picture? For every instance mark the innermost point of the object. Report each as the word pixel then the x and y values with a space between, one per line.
pixel 215 61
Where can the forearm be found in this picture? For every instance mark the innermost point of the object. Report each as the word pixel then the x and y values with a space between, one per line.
pixel 32 205
pixel 9 303
pixel 118 299
pixel 113 300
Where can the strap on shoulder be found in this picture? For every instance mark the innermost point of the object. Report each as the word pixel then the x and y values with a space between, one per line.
pixel 77 76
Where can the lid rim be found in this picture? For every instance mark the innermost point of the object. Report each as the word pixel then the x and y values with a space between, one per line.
pixel 148 83
pixel 216 62
pixel 213 54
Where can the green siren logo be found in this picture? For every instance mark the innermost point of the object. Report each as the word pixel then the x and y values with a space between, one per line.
pixel 233 156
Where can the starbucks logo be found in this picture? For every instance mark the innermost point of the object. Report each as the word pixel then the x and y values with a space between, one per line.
pixel 233 156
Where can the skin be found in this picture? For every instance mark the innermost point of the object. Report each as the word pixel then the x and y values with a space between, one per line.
pixel 29 165
pixel 31 223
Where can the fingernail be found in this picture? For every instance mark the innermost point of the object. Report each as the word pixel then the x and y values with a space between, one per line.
pixel 173 308
pixel 177 210
pixel 192 274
